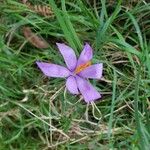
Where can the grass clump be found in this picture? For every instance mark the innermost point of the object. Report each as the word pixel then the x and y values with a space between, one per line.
pixel 38 113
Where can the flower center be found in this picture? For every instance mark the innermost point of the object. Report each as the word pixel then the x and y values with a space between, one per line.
pixel 82 67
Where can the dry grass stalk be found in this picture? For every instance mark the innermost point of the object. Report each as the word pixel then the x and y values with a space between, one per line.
pixel 40 9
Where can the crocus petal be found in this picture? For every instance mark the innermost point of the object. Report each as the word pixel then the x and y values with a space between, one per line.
pixel 68 55
pixel 87 90
pixel 86 55
pixel 71 85
pixel 52 70
pixel 93 71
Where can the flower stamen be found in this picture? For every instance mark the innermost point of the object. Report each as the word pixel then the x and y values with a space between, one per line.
pixel 82 67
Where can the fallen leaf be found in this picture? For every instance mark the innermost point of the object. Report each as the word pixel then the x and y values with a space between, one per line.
pixel 34 39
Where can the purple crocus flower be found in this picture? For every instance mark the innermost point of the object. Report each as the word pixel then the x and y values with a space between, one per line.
pixel 77 71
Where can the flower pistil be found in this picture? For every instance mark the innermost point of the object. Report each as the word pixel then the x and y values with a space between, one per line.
pixel 82 67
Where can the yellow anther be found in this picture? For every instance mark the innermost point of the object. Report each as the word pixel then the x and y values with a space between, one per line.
pixel 82 67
